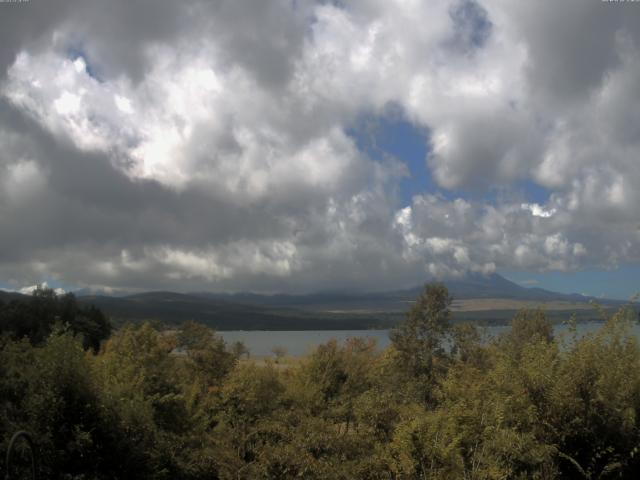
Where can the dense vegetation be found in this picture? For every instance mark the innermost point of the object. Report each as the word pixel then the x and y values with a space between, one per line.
pixel 35 318
pixel 441 402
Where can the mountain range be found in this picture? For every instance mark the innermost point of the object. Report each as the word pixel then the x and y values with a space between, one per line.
pixel 473 286
pixel 489 299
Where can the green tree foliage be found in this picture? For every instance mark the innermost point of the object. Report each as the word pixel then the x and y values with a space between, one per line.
pixel 440 402
pixel 527 327
pixel 50 392
pixel 207 356
pixel 35 318
pixel 419 340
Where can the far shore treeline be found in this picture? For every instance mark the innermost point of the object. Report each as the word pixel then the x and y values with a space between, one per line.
pixel 136 402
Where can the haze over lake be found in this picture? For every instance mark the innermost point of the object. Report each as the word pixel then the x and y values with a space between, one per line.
pixel 298 343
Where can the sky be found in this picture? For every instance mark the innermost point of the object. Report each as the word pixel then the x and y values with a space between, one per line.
pixel 297 146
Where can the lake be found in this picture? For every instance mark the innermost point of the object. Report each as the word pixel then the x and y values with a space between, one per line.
pixel 298 343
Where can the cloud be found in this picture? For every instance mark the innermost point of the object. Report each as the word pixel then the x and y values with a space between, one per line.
pixel 44 285
pixel 197 145
pixel 459 237
pixel 537 210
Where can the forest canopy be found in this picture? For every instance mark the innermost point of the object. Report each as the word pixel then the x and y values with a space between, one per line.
pixel 442 401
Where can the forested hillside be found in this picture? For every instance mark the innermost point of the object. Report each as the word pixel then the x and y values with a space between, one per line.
pixel 134 405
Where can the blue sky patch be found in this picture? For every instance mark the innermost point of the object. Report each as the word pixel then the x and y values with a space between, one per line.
pixel 393 136
pixel 620 283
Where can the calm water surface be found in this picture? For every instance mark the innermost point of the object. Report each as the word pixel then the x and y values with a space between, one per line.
pixel 260 343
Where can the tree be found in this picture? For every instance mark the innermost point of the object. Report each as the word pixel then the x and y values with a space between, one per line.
pixel 36 316
pixel 239 350
pixel 207 354
pixel 419 339
pixel 527 327
pixel 137 380
pixel 93 325
pixel 467 345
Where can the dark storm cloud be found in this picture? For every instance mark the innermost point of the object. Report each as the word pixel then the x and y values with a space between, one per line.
pixel 195 145
pixel 265 37
pixel 28 23
pixel 116 32
pixel 572 44
pixel 87 200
